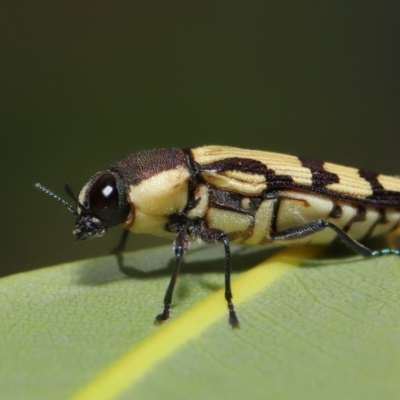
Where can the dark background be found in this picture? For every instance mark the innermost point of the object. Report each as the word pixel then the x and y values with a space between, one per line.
pixel 84 83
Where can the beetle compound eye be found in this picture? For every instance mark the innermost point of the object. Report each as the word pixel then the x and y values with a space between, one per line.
pixel 107 200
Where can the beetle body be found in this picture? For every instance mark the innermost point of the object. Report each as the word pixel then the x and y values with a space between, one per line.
pixel 218 194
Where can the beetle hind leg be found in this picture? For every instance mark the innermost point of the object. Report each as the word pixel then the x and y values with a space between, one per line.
pixel 319 225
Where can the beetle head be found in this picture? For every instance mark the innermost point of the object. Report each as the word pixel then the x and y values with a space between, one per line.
pixel 102 203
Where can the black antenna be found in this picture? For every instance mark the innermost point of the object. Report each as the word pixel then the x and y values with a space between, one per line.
pixel 71 194
pixel 58 198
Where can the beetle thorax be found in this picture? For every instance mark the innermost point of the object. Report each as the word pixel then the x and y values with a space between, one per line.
pixel 156 198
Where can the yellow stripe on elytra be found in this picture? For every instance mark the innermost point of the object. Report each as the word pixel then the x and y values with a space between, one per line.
pixel 138 361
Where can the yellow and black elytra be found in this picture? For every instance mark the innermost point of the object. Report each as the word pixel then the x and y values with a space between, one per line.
pixel 219 194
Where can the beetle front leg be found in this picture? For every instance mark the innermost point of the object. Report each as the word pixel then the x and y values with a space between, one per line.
pixel 181 244
pixel 119 248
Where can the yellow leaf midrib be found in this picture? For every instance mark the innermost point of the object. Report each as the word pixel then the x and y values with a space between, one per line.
pixel 140 359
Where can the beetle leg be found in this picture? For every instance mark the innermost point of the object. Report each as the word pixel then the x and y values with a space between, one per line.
pixel 181 244
pixel 212 235
pixel 119 248
pixel 319 225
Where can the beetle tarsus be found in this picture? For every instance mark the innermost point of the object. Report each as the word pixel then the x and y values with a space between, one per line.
pixel 232 317
pixel 385 252
pixel 164 316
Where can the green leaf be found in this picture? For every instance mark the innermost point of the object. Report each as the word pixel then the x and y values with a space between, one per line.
pixel 310 328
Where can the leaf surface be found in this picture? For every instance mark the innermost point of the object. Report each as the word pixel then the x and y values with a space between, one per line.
pixel 310 328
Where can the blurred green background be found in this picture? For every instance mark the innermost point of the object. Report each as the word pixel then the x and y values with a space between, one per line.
pixel 84 83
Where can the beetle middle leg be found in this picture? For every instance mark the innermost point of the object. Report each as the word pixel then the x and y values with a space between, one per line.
pixel 187 227
pixel 212 235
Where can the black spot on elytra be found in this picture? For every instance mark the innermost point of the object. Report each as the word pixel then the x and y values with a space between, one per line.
pixel 320 180
pixel 380 196
pixel 320 177
pixel 372 179
pixel 250 166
